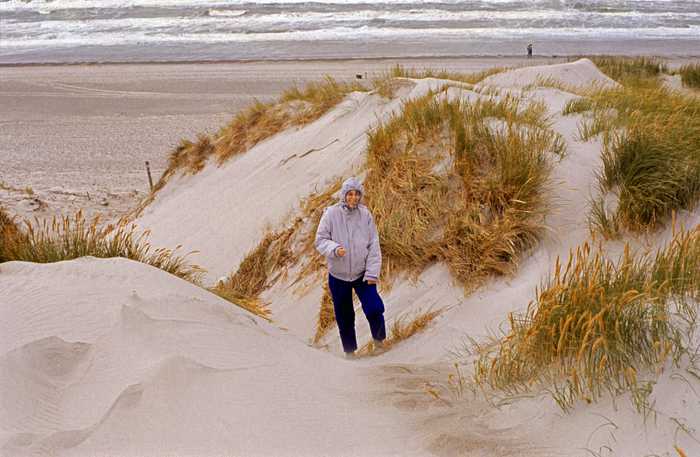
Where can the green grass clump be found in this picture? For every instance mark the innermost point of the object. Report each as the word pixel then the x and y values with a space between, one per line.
pixel 595 324
pixel 651 153
pixel 69 238
pixel 623 69
pixel 577 106
pixel 690 75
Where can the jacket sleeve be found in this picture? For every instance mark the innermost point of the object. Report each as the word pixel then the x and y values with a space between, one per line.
pixel 324 244
pixel 374 258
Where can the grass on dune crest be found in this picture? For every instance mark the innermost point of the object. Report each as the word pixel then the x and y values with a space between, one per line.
pixel 624 69
pixel 594 324
pixel 68 238
pixel 399 71
pixel 389 81
pixel 259 121
pixel 651 147
pixel 461 183
pixel 690 75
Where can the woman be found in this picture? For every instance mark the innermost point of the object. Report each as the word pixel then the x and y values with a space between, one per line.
pixel 347 237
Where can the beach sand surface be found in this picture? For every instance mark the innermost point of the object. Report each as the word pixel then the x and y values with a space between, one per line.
pixel 78 136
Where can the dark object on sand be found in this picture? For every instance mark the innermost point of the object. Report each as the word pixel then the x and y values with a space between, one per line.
pixel 358 76
pixel 529 50
pixel 150 180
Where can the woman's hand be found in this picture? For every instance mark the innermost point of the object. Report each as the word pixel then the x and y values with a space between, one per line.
pixel 340 251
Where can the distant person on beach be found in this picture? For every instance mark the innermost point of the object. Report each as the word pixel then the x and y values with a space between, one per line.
pixel 529 50
pixel 348 238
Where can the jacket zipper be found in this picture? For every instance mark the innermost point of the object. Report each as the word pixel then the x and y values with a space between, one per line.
pixel 349 244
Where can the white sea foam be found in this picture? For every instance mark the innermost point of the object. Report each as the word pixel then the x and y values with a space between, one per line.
pixel 342 33
pixel 226 13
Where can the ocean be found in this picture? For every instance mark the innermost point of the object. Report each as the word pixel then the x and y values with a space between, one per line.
pixel 46 31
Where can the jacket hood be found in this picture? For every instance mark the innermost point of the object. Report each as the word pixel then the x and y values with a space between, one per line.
pixel 351 183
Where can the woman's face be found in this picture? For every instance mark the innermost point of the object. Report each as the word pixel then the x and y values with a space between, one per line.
pixel 352 198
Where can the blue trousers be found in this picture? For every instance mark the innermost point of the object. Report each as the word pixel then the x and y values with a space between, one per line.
pixel 372 306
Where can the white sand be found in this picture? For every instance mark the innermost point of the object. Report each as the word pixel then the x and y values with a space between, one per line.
pixel 129 360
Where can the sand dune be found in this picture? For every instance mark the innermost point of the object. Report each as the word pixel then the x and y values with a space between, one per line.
pixel 129 360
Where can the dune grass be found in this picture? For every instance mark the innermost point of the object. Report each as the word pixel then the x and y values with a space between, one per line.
pixel 651 154
pixel 577 106
pixel 68 238
pixel 326 315
pixel 460 183
pixel 255 123
pixel 690 75
pixel 651 146
pixel 401 329
pixel 8 233
pixel 291 247
pixel 253 275
pixel 596 323
pixel 624 69
pixel 399 71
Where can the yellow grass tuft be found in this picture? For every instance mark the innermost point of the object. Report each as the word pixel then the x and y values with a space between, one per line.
pixel 403 328
pixel 326 315
pixel 257 122
pixel 68 238
pixel 446 183
pixel 9 233
pixel 595 324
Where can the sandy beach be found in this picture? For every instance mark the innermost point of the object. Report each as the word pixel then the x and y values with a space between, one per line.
pixel 78 136
pixel 112 356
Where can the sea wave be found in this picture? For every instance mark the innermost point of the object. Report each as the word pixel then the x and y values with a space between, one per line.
pixel 349 34
pixel 500 5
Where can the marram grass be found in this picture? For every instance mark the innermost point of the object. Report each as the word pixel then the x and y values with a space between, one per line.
pixel 402 328
pixel 460 183
pixel 68 238
pixel 690 75
pixel 624 69
pixel 651 152
pixel 8 233
pixel 255 123
pixel 595 324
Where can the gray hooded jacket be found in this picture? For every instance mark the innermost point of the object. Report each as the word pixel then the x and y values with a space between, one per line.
pixel 353 229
